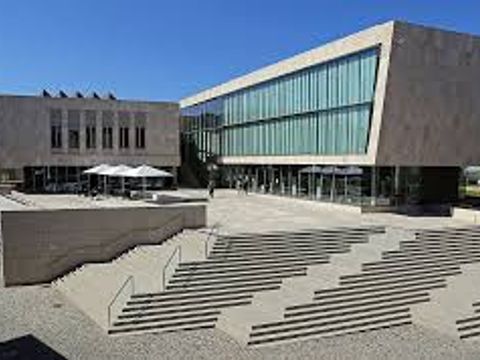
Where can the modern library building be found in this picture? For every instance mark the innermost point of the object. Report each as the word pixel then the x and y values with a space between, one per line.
pixel 382 118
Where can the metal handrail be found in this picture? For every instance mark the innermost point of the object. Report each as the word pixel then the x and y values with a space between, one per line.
pixel 213 229
pixel 164 276
pixel 129 279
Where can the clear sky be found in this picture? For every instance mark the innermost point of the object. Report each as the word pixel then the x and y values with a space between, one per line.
pixel 168 49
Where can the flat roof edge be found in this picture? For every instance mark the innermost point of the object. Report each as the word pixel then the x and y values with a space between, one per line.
pixel 328 51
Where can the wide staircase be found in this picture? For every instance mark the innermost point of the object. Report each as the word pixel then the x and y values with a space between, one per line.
pixel 100 289
pixel 237 267
pixel 382 294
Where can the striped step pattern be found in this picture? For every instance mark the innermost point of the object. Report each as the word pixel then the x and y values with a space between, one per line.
pixel 382 293
pixel 236 268
pixel 469 327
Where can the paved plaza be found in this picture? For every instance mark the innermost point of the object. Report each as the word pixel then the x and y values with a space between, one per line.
pixel 43 313
pixel 236 212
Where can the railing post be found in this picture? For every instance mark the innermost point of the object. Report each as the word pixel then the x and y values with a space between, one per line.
pixel 119 292
pixel 167 264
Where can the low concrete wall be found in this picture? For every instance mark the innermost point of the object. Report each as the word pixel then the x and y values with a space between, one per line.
pixel 468 215
pixel 40 245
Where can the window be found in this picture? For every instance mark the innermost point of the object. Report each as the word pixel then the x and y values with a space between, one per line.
pixel 107 130
pixel 56 128
pixel 140 121
pixel 123 136
pixel 140 137
pixel 90 129
pixel 73 129
pixel 123 127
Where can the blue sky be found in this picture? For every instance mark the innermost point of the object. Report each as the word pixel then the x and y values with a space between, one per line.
pixel 168 49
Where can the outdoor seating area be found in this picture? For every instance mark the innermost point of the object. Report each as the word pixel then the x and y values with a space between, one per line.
pixel 126 181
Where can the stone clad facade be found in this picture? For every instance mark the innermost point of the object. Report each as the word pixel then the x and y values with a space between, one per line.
pixel 45 132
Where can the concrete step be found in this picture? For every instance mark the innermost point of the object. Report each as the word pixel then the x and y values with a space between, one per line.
pixel 441 237
pixel 154 303
pixel 426 255
pixel 218 287
pixel 313 239
pixel 410 299
pixel 394 266
pixel 259 253
pixel 277 253
pixel 369 275
pixel 448 230
pixel 225 262
pixel 342 312
pixel 423 251
pixel 186 281
pixel 244 269
pixel 320 305
pixel 351 290
pixel 190 324
pixel 450 303
pixel 469 328
pixel 400 281
pixel 370 322
pixel 280 246
pixel 184 315
pixel 320 232
pixel 167 296
pixel 192 305
pixel 192 276
pixel 415 267
pixel 453 270
pixel 440 245
pixel 438 242
pixel 233 282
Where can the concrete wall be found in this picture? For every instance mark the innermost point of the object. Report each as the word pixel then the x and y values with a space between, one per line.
pixel 431 115
pixel 39 246
pixel 471 216
pixel 25 133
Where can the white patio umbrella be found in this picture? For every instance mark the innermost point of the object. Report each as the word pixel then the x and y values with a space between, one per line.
pixel 97 170
pixel 144 172
pixel 114 171
pixel 118 171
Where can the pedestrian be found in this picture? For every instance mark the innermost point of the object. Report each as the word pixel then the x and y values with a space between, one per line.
pixel 211 189
pixel 238 185
pixel 245 185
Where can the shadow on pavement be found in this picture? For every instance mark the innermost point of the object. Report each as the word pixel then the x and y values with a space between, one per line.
pixel 27 348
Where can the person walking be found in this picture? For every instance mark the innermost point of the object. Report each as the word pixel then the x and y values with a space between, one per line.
pixel 211 189
pixel 238 185
pixel 245 185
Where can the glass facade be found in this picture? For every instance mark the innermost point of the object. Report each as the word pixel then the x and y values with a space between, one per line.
pixel 324 109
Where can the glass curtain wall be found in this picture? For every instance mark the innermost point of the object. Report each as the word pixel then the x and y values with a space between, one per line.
pixel 324 109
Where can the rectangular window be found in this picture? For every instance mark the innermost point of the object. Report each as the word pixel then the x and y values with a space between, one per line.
pixel 73 129
pixel 56 128
pixel 140 137
pixel 140 123
pixel 90 129
pixel 123 137
pixel 107 130
pixel 123 129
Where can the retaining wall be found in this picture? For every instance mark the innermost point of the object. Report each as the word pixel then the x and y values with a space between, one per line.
pixel 40 245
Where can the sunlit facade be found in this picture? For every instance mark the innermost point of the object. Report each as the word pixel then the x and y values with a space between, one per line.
pixel 327 125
